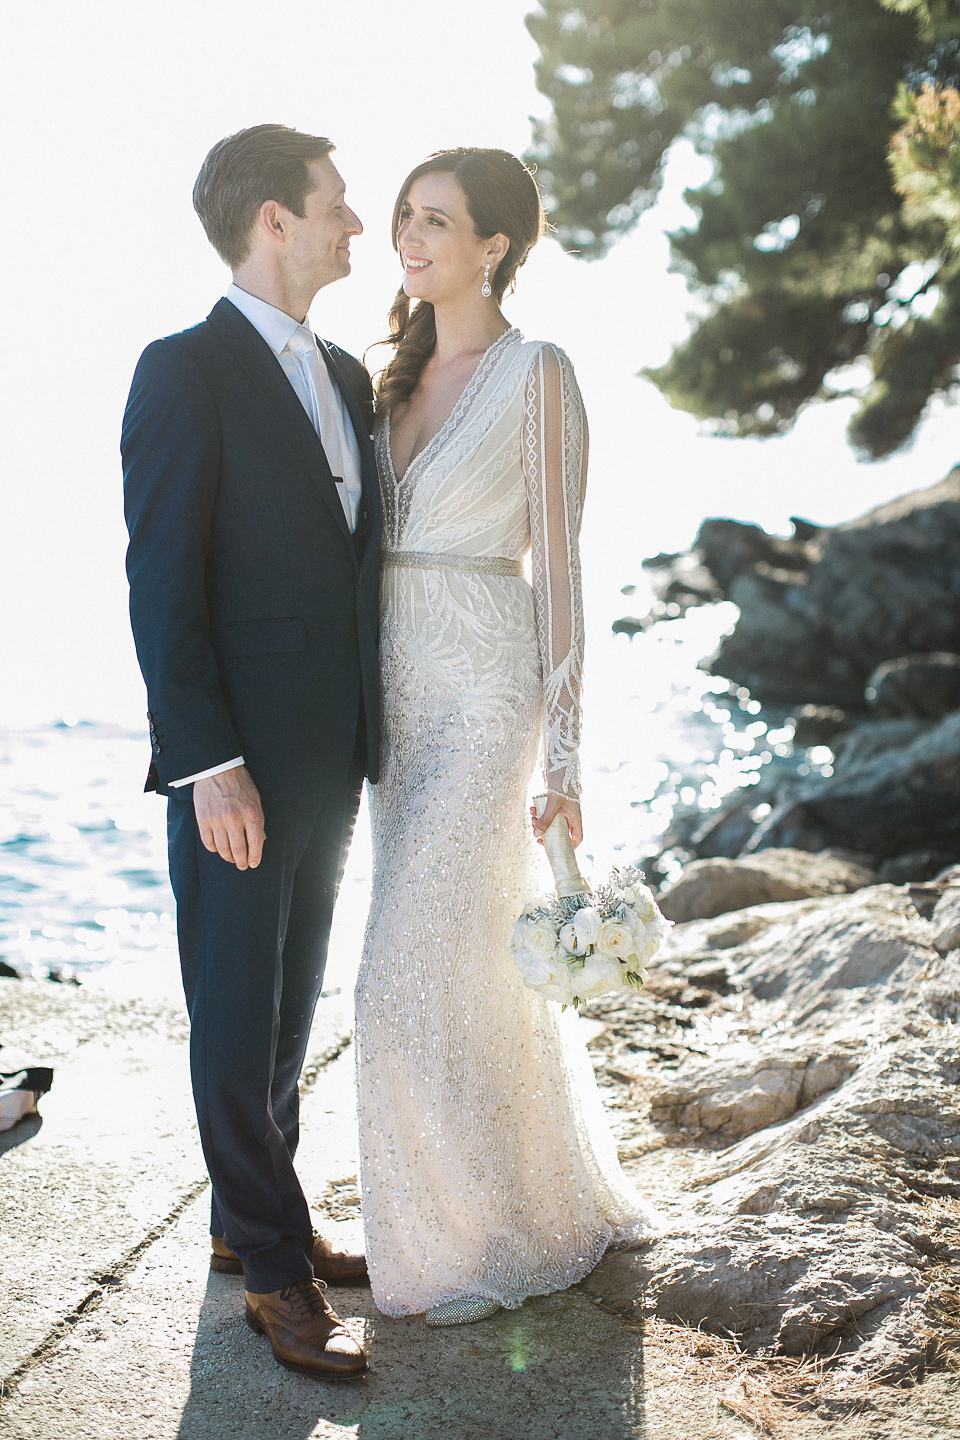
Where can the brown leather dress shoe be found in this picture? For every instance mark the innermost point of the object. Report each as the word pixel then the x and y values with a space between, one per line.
pixel 338 1267
pixel 334 1267
pixel 306 1334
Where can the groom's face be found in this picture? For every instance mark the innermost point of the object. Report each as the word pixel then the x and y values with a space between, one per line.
pixel 320 239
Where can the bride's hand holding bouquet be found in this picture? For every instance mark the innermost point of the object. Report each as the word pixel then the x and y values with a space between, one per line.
pixel 553 806
pixel 576 946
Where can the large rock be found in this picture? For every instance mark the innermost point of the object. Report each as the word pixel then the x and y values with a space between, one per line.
pixel 732 1098
pixel 710 887
pixel 906 798
pixel 818 724
pixel 817 963
pixel 831 1068
pixel 915 866
pixel 729 549
pixel 945 921
pixel 864 742
pixel 924 685
pixel 892 804
pixel 819 612
pixel 724 549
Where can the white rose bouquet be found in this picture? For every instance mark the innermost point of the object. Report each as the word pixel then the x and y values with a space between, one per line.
pixel 578 945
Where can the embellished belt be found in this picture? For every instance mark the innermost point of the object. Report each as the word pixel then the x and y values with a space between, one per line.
pixel 466 564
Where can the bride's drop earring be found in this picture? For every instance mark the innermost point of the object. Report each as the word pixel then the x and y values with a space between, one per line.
pixel 485 289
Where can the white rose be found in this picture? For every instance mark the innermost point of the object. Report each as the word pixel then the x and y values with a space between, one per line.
pixel 600 974
pixel 518 934
pixel 535 969
pixel 538 937
pixel 569 941
pixel 645 905
pixel 560 985
pixel 648 935
pixel 541 939
pixel 586 924
pixel 616 938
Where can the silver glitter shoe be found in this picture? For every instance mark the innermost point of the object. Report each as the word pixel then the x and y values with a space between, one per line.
pixel 462 1312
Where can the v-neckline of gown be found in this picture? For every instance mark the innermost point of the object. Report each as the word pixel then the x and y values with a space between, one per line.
pixel 463 401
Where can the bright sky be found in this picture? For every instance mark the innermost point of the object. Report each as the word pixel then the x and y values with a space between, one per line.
pixel 108 110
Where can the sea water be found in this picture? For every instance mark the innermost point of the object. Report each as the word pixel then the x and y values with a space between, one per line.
pixel 84 893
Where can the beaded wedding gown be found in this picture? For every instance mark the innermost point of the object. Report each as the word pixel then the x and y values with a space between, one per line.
pixel 487 1165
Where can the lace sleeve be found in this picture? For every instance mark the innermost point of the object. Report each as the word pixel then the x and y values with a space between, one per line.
pixel 555 467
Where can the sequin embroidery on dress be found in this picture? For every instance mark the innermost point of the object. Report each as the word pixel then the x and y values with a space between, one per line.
pixel 487 1164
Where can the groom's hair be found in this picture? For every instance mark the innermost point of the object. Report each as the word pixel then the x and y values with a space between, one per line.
pixel 242 172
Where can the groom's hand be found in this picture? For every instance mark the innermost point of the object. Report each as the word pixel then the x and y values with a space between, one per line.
pixel 230 816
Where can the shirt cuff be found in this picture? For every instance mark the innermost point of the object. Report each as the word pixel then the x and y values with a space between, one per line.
pixel 205 774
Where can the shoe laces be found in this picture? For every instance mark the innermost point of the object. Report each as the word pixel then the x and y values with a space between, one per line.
pixel 306 1296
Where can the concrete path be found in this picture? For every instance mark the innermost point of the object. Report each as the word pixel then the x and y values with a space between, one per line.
pixel 114 1326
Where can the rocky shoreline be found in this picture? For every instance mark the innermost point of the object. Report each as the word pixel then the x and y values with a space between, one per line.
pixel 789 1076
pixel 783 1091
pixel 858 629
pixel 786 1085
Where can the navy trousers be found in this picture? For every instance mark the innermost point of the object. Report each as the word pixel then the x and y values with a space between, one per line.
pixel 253 946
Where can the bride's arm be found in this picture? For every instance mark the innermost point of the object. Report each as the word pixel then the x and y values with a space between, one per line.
pixel 555 467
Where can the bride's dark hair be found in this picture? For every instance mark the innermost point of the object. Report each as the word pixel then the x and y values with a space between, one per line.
pixel 502 199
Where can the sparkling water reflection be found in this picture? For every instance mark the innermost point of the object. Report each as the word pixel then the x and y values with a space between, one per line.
pixel 82 851
pixel 83 882
pixel 664 739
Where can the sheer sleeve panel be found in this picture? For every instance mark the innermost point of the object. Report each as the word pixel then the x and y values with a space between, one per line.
pixel 555 468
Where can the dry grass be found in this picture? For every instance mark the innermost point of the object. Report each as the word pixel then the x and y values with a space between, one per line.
pixel 772 1394
pixel 781 1397
pixel 944 1311
pixel 340 1200
pixel 766 1392
pixel 942 1216
pixel 784 1397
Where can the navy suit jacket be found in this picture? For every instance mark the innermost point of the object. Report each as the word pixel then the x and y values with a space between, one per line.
pixel 255 612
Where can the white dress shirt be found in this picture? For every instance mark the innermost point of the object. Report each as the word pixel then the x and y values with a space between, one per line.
pixel 295 347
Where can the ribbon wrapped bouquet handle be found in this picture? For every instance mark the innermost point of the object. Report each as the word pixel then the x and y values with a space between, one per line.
pixel 562 856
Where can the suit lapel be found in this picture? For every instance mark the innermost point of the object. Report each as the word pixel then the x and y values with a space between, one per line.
pixel 369 481
pixel 264 370
pixel 368 464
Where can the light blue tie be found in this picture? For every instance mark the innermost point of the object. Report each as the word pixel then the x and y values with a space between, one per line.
pixel 303 345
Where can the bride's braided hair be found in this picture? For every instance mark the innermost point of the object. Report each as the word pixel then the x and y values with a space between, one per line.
pixel 502 199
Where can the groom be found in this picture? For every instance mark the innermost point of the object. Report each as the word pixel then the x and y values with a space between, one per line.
pixel 252 504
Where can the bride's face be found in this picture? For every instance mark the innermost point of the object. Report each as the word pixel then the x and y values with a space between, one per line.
pixel 443 256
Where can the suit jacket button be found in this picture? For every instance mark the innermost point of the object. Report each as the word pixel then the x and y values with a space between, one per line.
pixel 156 748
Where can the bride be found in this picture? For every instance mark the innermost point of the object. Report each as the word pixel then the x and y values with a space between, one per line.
pixel 488 1172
